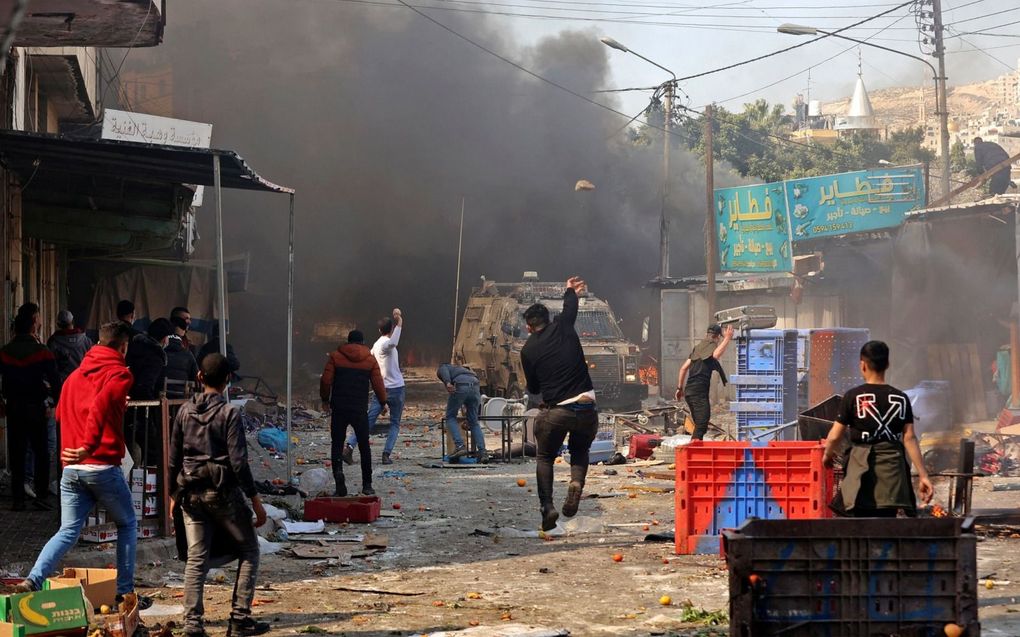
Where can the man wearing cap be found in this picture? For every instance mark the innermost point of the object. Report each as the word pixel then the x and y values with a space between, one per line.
pixel 349 373
pixel 68 344
pixel 696 376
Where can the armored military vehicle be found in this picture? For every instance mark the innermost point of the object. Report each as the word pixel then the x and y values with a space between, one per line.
pixel 493 332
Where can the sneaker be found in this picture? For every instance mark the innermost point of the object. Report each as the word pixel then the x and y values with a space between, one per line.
pixel 458 453
pixel 348 454
pixel 367 491
pixel 549 517
pixel 482 456
pixel 24 586
pixel 30 490
pixel 386 459
pixel 246 627
pixel 573 499
pixel 42 504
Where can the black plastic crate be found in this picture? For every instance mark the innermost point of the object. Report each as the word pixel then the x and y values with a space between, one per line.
pixel 849 577
pixel 815 423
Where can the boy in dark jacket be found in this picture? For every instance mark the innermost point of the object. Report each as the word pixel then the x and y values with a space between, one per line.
pixel 29 380
pixel 344 387
pixel 68 344
pixel 180 366
pixel 210 472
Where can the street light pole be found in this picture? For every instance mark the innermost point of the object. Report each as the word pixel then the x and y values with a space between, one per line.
pixel 668 96
pixel 938 77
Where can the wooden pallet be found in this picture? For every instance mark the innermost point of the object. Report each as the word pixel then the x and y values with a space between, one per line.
pixel 960 364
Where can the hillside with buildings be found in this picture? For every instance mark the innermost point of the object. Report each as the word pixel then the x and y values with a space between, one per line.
pixel 984 109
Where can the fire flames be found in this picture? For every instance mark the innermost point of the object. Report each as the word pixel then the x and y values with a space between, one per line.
pixel 649 375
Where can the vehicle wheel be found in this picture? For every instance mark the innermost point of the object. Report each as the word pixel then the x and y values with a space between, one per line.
pixel 513 391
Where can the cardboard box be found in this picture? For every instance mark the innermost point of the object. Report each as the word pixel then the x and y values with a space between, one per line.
pixel 150 479
pixel 98 584
pixel 58 610
pixel 138 502
pixel 137 480
pixel 11 630
pixel 99 533
pixel 119 623
pixel 147 529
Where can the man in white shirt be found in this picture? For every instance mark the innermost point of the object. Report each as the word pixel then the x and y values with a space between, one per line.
pixel 385 351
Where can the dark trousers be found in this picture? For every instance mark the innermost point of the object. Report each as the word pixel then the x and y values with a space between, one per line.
pixel 26 429
pixel 551 428
pixel 206 513
pixel 358 421
pixel 999 183
pixel 701 411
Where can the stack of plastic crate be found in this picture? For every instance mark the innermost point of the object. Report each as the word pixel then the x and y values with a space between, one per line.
pixel 766 384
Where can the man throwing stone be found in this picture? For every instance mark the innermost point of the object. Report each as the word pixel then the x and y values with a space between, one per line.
pixel 555 368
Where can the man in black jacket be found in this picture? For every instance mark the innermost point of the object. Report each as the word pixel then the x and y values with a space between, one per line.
pixel 555 368
pixel 29 380
pixel 988 155
pixel 180 366
pixel 210 472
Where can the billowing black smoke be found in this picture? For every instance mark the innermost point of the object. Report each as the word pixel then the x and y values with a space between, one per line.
pixel 382 122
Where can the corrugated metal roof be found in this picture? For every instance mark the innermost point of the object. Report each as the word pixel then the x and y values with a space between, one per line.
pixel 31 153
pixel 984 206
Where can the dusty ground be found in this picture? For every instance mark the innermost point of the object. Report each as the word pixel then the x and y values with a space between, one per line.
pixel 438 573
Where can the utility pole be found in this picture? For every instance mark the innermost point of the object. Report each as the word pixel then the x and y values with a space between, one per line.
pixel 456 294
pixel 664 220
pixel 710 259
pixel 940 53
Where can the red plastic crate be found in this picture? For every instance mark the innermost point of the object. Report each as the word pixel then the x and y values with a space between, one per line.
pixel 642 446
pixel 720 485
pixel 363 509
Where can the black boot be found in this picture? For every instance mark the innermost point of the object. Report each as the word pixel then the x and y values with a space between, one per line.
pixel 341 487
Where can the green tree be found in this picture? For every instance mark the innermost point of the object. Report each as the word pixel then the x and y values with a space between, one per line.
pixel 755 142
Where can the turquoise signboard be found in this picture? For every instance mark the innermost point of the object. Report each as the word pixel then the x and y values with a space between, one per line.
pixel 862 201
pixel 753 229
pixel 758 225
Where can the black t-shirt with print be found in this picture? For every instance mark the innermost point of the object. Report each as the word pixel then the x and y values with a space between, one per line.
pixel 875 413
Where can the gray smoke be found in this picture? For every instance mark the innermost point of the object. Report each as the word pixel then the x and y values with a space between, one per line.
pixel 382 122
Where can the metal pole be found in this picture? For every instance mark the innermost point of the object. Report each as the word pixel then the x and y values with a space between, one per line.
pixel 710 259
pixel 290 339
pixel 940 53
pixel 221 274
pixel 456 294
pixel 664 220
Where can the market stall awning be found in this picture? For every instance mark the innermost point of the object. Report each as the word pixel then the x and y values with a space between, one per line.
pixel 36 154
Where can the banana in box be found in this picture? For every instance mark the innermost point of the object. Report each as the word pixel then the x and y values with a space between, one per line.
pixel 57 612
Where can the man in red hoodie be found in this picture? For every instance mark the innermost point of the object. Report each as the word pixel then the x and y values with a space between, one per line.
pixel 344 387
pixel 91 418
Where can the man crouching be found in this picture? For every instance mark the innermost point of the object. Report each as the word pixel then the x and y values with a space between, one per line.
pixel 209 468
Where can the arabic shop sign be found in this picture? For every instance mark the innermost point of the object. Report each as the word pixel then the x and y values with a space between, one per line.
pixel 862 201
pixel 757 225
pixel 754 229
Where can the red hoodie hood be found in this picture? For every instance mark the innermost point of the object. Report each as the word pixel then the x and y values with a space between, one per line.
pixel 101 362
pixel 354 352
pixel 92 405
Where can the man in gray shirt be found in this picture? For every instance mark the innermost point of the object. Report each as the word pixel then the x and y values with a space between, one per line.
pixel 463 387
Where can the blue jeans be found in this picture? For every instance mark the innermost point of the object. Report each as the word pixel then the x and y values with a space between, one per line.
pixel 79 493
pixel 395 401
pixel 468 396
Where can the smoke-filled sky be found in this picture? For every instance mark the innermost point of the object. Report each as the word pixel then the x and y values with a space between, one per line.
pixel 383 121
